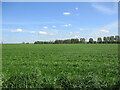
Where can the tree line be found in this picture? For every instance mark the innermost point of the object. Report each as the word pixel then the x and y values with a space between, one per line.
pixel 104 40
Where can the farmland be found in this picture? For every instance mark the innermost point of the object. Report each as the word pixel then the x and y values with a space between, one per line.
pixel 60 66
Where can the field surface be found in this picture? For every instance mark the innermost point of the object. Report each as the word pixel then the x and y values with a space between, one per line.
pixel 82 66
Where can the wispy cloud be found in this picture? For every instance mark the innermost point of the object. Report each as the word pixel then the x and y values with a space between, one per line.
pixel 81 29
pixel 67 25
pixel 41 32
pixel 74 32
pixel 17 30
pixel 31 31
pixel 76 8
pixel 105 9
pixel 66 13
pixel 112 25
pixel 45 27
pixel 77 36
pixel 104 31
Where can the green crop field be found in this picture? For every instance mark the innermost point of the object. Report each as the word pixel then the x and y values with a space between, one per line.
pixel 93 66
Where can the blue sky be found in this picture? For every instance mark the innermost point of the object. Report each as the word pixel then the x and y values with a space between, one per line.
pixel 48 21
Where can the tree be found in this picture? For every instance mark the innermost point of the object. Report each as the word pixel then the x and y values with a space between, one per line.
pixel 82 40
pixel 58 41
pixel 67 41
pixel 108 39
pixel 91 40
pixel 116 39
pixel 23 42
pixel 51 42
pixel 94 42
pixel 111 39
pixel 45 42
pixel 104 39
pixel 76 40
pixel 36 42
pixel 99 40
pixel 72 41
pixel 27 43
pixel 39 42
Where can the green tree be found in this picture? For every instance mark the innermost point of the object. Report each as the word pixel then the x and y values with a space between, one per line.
pixel 58 41
pixel 76 40
pixel 111 39
pixel 116 39
pixel 51 42
pixel 67 41
pixel 104 39
pixel 72 41
pixel 45 42
pixel 82 40
pixel 108 39
pixel 99 40
pixel 23 42
pixel 91 40
pixel 38 42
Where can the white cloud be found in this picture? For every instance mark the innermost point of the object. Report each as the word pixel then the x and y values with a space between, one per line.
pixel 45 27
pixel 32 31
pixel 81 29
pixel 77 36
pixel 67 25
pixel 111 26
pixel 17 30
pixel 66 13
pixel 104 31
pixel 104 9
pixel 41 32
pixel 99 33
pixel 76 8
pixel 74 32
pixel 107 30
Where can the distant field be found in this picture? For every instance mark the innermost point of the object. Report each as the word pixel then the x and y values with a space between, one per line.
pixel 60 66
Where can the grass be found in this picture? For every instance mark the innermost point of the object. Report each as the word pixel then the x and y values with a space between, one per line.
pixel 93 66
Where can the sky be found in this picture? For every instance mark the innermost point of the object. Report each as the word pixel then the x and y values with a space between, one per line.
pixel 48 21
